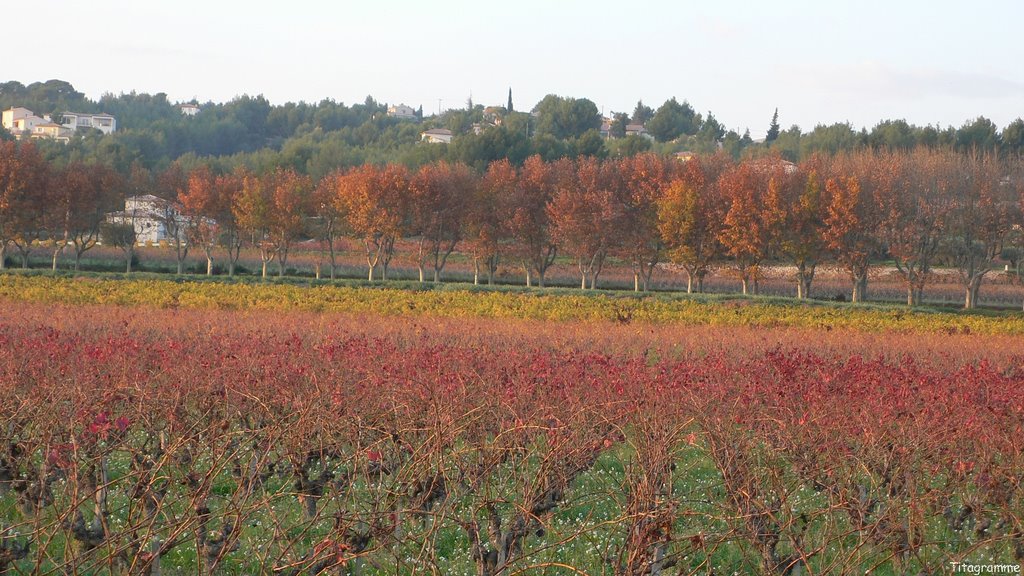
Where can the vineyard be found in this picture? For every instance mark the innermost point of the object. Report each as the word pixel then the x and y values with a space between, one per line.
pixel 173 437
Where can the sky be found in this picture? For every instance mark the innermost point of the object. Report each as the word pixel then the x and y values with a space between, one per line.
pixel 819 62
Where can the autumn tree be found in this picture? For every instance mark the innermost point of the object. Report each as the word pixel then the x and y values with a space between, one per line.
pixel 80 197
pixel 794 214
pixel 585 216
pixel 169 185
pixel 327 219
pixel 691 212
pixel 485 229
pixel 641 180
pixel 200 209
pixel 913 191
pixel 982 215
pixel 852 217
pixel 439 197
pixel 374 203
pixel 528 222
pixel 290 205
pixel 253 209
pixel 24 175
pixel 745 233
pixel 228 188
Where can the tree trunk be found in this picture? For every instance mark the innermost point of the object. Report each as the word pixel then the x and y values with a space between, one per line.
pixel 689 282
pixel 264 274
pixel 420 267
pixel 529 280
pixel 860 286
pixel 333 263
pixel 209 265
pixel 973 288
pixel 437 275
pixel 181 266
pixel 745 281
pixel 476 271
pixel 370 275
pixel 128 263
pixel 3 255
pixel 55 254
pixel 78 260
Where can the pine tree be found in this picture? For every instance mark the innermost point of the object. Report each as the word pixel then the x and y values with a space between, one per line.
pixel 773 130
pixel 508 108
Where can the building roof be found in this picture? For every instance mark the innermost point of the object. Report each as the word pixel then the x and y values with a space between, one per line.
pixel 439 132
pixel 77 114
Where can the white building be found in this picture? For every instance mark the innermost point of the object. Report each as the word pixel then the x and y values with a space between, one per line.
pixel 12 116
pixel 189 109
pixel 103 122
pixel 22 122
pixel 150 215
pixel 638 130
pixel 437 136
pixel 402 112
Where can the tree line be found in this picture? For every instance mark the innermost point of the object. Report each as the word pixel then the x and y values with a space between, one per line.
pixel 918 209
pixel 316 138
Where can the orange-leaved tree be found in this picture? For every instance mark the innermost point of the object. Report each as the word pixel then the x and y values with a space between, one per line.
pixel 691 211
pixel 585 217
pixel 199 208
pixel 642 179
pixel 439 195
pixel 485 224
pixel 528 222
pixel 373 202
pixel 852 218
pixel 745 235
pixel 24 175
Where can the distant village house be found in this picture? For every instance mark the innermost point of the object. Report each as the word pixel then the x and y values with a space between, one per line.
pixel 402 112
pixel 151 216
pixel 103 122
pixel 437 136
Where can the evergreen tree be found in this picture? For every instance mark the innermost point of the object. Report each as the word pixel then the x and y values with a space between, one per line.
pixel 508 108
pixel 642 113
pixel 773 130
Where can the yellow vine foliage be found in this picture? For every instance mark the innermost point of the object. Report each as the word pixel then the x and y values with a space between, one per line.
pixel 454 303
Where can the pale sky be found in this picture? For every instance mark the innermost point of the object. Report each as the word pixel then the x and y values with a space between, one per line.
pixel 820 62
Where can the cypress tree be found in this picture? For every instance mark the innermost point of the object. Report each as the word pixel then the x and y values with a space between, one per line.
pixel 773 130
